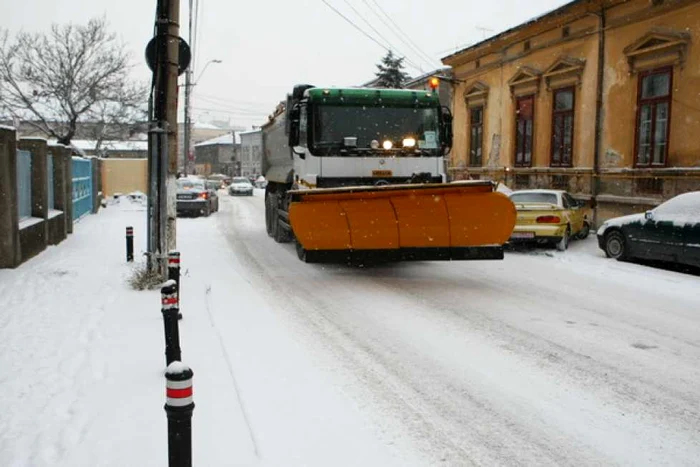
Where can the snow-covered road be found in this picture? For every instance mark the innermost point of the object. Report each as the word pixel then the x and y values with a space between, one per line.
pixel 544 358
pixel 560 358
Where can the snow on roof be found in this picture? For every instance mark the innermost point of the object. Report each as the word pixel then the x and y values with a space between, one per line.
pixel 249 132
pixel 205 126
pixel 89 145
pixel 223 139
pixel 552 12
pixel 7 127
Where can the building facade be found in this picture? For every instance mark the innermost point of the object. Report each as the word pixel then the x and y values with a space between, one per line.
pixel 218 155
pixel 598 97
pixel 251 153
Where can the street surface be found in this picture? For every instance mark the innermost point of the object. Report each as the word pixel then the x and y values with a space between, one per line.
pixel 545 358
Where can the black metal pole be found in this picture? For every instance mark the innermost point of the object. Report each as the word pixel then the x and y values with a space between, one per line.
pixel 129 244
pixel 179 406
pixel 174 275
pixel 170 311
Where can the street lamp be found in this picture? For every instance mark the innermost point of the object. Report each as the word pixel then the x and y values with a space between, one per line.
pixel 188 120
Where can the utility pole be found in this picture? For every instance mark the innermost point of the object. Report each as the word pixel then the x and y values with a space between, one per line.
pixel 162 141
pixel 188 89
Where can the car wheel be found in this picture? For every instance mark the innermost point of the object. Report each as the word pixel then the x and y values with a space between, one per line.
pixel 583 234
pixel 563 244
pixel 207 210
pixel 615 246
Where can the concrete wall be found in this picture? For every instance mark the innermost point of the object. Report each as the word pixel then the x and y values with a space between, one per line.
pixel 57 227
pixel 124 176
pixel 34 238
pixel 20 241
pixel 10 254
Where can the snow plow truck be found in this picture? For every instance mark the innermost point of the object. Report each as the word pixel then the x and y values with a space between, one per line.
pixel 358 174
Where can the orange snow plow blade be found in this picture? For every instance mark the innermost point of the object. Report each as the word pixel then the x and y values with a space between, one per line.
pixel 461 220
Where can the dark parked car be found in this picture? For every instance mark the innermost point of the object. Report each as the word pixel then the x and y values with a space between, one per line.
pixel 194 198
pixel 240 186
pixel 670 232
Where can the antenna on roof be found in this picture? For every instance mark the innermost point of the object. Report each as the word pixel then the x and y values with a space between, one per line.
pixel 484 31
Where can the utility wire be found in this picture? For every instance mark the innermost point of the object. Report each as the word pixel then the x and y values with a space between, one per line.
pixel 387 41
pixel 358 28
pixel 398 31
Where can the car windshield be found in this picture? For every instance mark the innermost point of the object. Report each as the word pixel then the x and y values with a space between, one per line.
pixel 239 180
pixel 188 184
pixel 549 198
pixel 333 124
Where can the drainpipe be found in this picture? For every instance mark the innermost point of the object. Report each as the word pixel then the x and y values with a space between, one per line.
pixel 595 185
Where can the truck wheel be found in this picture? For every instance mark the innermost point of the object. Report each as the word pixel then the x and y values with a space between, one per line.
pixel 281 234
pixel 270 208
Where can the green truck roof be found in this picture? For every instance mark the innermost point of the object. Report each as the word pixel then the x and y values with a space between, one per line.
pixel 373 97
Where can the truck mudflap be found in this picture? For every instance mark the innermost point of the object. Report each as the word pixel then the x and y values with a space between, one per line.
pixel 450 221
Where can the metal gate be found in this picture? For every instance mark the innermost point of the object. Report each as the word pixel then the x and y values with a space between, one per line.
pixel 24 184
pixel 82 187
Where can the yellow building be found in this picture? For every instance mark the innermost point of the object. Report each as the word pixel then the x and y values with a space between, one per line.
pixel 598 97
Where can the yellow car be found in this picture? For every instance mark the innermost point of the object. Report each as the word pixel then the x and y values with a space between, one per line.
pixel 549 216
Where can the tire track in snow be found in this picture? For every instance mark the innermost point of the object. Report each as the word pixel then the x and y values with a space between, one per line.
pixel 393 387
pixel 229 365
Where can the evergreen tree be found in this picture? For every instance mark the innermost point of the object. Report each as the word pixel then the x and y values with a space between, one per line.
pixel 390 72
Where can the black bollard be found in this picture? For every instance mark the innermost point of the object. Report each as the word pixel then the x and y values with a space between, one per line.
pixel 129 244
pixel 174 275
pixel 170 311
pixel 178 407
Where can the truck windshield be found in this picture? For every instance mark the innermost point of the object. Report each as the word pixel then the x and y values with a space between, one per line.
pixel 332 124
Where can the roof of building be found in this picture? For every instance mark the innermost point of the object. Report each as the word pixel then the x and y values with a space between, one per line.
pixel 226 139
pixel 554 12
pixel 250 132
pixel 444 72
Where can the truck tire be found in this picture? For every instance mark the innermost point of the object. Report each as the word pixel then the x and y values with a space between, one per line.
pixel 270 208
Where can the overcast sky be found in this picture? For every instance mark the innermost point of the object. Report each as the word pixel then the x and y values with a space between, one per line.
pixel 268 46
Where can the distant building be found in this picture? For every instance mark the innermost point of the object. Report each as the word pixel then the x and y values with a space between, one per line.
pixel 421 83
pixel 218 155
pixel 251 153
pixel 201 131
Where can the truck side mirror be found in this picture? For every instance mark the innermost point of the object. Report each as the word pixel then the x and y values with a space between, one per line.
pixel 446 130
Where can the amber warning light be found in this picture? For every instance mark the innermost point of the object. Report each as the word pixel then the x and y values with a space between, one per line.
pixel 434 83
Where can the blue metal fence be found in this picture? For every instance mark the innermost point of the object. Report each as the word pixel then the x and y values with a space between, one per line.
pixel 49 180
pixel 24 184
pixel 82 187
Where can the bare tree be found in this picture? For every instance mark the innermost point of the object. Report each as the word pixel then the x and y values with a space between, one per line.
pixel 72 74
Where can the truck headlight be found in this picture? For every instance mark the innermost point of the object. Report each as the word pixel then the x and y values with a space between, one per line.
pixel 409 142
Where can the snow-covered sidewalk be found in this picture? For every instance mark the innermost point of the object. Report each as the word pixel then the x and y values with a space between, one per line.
pixel 83 358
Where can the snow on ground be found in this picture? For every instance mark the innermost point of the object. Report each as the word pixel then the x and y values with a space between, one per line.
pixel 545 358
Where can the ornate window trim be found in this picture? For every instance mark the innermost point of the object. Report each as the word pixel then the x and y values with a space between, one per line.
pixel 476 95
pixel 564 72
pixel 657 49
pixel 524 82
